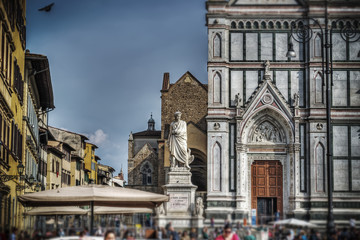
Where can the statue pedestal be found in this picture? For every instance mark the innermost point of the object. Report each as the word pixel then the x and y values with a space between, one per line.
pixel 180 210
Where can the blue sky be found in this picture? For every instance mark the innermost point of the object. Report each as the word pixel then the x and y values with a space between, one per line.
pixel 107 59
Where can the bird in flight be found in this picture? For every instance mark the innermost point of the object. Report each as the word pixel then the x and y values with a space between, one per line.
pixel 47 8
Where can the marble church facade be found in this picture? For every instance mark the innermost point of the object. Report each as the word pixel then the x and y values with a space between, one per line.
pixel 266 121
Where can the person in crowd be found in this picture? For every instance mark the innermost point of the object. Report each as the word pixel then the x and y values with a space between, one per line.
pixel 303 235
pixel 193 234
pixel 130 236
pixel 227 234
pixel 13 233
pixel 167 228
pixel 313 235
pixel 344 235
pixel 82 235
pixel 212 222
pixel 109 235
pixel 86 231
pixel 249 236
pixel 61 232
pixel 163 233
pixel 277 215
pixel 99 231
pixel 173 234
pixel 185 235
pixel 204 233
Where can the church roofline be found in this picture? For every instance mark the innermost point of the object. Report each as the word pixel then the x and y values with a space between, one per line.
pixel 147 133
pixel 171 85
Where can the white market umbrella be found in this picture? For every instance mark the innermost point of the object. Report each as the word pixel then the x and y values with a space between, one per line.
pixel 118 210
pixel 98 195
pixel 93 195
pixel 47 211
pixel 295 222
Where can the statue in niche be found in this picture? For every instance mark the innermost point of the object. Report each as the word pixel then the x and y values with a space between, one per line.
pixel 160 210
pixel 237 100
pixel 179 152
pixel 199 210
pixel 267 68
pixel 296 99
pixel 266 132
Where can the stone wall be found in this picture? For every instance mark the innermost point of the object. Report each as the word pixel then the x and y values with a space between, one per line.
pixel 135 176
pixel 189 97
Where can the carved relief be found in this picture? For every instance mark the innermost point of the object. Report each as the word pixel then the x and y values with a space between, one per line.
pixel 266 132
pixel 319 126
pixel 237 100
pixel 267 99
pixel 199 210
pixel 216 126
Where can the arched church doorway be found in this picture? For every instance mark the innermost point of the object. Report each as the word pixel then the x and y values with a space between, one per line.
pixel 199 170
pixel 266 189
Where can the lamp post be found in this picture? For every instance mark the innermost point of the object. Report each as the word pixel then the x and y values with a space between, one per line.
pixel 6 177
pixel 302 32
pixel 34 185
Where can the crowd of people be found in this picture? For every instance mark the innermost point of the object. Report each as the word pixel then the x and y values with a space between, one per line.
pixel 228 232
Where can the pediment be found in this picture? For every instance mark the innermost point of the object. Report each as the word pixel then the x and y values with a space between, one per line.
pixel 267 95
pixel 144 152
pixel 189 79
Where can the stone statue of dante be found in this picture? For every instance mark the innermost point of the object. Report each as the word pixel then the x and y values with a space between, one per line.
pixel 177 141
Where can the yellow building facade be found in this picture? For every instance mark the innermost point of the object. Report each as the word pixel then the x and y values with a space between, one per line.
pixel 77 171
pixel 12 108
pixel 90 160
pixel 54 160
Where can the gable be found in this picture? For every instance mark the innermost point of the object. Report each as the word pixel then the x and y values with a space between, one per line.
pixel 189 80
pixel 145 153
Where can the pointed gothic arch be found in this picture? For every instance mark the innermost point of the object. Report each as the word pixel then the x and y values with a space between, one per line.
pixel 268 113
pixel 217 87
pixel 320 167
pixel 147 171
pixel 217 45
pixel 319 87
pixel 216 167
pixel 267 130
pixel 318 45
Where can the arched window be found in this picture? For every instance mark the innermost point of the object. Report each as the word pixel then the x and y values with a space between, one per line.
pixel 319 93
pixel 241 25
pixel 233 25
pixel 263 25
pixel 278 25
pixel 248 25
pixel 217 45
pixel 320 168
pixel 317 45
pixel 271 25
pixel 146 171
pixel 256 25
pixel 286 25
pixel 217 88
pixel 216 171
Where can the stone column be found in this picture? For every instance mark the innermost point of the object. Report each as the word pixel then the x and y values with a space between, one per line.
pixel 242 181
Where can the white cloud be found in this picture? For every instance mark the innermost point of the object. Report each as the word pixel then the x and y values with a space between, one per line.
pixel 98 138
